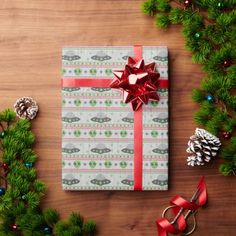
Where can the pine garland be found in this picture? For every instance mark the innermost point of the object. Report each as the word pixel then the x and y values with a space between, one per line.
pixel 21 191
pixel 209 28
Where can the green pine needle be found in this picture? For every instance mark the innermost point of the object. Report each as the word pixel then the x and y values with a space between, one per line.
pixel 227 169
pixel 51 216
pixel 162 20
pixel 198 95
pixel 89 228
pixel 149 7
pixel 8 115
pixel 163 6
pixel 176 15
pixel 76 219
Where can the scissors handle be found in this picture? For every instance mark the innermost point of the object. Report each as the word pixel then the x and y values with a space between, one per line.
pixel 189 213
pixel 176 217
pixel 186 216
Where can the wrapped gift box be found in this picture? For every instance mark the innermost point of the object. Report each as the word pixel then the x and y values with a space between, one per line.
pixel 98 127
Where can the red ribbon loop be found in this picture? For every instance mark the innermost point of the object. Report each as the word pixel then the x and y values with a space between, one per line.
pixel 182 203
pixel 165 226
pixel 199 199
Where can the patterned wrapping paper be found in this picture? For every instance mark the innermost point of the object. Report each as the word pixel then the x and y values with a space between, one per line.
pixel 97 127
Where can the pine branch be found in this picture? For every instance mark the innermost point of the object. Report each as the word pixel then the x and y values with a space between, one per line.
pixel 20 210
pixel 209 28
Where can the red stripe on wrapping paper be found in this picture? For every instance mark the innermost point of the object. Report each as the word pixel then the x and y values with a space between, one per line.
pixel 97 170
pixel 100 139
pixel 96 126
pixel 100 108
pixel 75 157
pixel 104 66
pixel 100 97
pixel 101 128
pixel 114 128
pixel 121 139
pixel 94 97
pixel 127 108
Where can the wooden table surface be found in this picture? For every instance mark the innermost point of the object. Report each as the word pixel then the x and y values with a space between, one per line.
pixel 32 33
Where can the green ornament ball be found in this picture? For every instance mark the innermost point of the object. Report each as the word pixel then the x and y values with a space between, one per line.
pixel 47 230
pixel 220 5
pixel 28 164
pixel 210 98
pixel 2 134
pixel 2 191
pixel 198 35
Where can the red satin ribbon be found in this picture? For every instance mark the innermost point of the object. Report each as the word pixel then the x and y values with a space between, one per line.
pixel 101 82
pixel 138 136
pixel 138 149
pixel 86 82
pixel 138 126
pixel 164 226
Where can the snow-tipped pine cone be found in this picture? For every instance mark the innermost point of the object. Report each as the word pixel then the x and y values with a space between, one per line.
pixel 202 146
pixel 26 108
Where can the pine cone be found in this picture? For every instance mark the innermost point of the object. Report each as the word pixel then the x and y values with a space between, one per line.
pixel 202 146
pixel 26 108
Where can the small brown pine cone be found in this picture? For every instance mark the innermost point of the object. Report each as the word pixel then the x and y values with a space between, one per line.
pixel 26 108
pixel 202 146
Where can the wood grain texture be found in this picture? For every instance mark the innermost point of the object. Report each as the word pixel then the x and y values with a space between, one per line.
pixel 32 34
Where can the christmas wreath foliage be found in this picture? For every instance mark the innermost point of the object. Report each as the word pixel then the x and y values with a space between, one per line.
pixel 21 191
pixel 209 28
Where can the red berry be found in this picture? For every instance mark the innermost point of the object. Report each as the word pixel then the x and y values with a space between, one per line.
pixel 226 135
pixel 187 3
pixel 5 166
pixel 14 227
pixel 227 63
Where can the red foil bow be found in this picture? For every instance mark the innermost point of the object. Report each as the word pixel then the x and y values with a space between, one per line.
pixel 139 82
